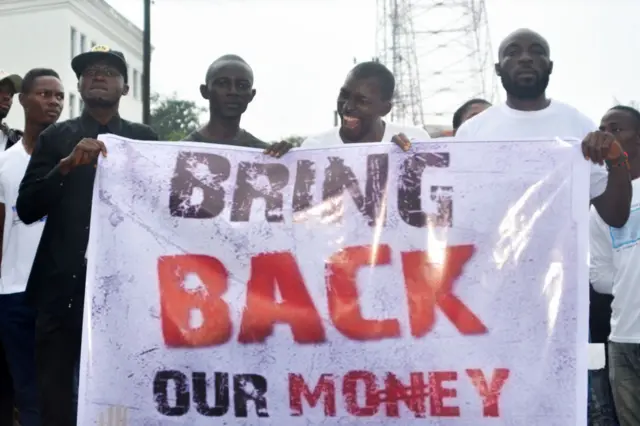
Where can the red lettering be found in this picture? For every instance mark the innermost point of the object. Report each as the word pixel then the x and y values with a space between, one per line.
pixel 350 393
pixel 490 394
pixel 177 303
pixel 429 284
pixel 414 395
pixel 438 393
pixel 325 388
pixel 344 306
pixel 262 311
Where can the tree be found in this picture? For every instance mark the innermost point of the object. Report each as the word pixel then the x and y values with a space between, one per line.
pixel 174 118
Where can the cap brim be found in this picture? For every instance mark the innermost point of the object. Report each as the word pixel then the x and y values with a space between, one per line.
pixel 15 80
pixel 83 60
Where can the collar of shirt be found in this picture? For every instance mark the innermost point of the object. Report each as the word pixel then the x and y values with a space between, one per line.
pixel 92 126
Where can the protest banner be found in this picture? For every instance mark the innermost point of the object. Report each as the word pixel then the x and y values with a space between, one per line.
pixel 352 285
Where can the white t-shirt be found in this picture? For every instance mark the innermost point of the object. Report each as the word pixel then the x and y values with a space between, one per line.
pixel 20 241
pixel 332 137
pixel 558 120
pixel 615 269
pixel 4 138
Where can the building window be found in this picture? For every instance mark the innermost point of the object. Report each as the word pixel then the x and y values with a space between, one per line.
pixel 135 83
pixel 72 105
pixel 83 43
pixel 73 42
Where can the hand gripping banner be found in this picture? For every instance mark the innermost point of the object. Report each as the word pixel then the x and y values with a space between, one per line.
pixel 351 285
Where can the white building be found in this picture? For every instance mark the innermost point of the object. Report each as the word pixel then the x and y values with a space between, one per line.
pixel 48 33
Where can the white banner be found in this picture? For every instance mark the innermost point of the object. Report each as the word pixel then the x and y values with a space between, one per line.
pixel 352 285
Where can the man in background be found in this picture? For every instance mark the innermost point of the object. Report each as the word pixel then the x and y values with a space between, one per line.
pixel 42 98
pixel 364 100
pixel 228 87
pixel 468 110
pixel 9 85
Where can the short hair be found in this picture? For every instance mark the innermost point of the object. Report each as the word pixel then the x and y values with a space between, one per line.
pixel 32 75
pixel 374 69
pixel 460 112
pixel 224 58
pixel 630 110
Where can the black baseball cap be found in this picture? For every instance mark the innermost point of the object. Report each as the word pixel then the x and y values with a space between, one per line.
pixel 100 53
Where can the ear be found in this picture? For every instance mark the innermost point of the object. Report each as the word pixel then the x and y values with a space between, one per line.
pixel 125 90
pixel 496 67
pixel 386 108
pixel 204 91
pixel 550 67
pixel 253 95
pixel 21 99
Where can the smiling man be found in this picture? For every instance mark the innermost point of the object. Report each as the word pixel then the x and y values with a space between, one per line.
pixel 524 66
pixel 364 100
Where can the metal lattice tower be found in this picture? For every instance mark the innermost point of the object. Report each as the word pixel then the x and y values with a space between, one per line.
pixel 440 53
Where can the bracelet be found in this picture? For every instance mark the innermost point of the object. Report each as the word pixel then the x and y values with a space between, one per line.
pixel 623 160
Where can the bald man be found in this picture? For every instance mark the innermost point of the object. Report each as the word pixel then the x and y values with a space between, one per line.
pixel 229 89
pixel 524 66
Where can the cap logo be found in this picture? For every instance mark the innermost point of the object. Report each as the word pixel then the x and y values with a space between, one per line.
pixel 100 48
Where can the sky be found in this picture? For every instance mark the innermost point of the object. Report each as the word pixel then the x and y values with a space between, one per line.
pixel 301 51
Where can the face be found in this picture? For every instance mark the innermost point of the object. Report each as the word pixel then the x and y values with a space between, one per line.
pixel 6 98
pixel 360 105
pixel 473 110
pixel 229 89
pixel 102 85
pixel 625 128
pixel 44 103
pixel 524 66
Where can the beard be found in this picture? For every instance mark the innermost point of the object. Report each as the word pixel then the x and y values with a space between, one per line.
pixel 525 93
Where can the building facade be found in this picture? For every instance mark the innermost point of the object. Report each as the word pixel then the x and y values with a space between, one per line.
pixel 48 33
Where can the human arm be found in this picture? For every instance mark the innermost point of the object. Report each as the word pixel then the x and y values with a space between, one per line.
pixel 601 268
pixel 42 184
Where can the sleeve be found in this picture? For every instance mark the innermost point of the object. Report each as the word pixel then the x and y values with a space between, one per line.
pixel 464 131
pixel 311 142
pixel 601 268
pixel 598 179
pixel 419 135
pixel 152 135
pixel 42 184
pixel 2 161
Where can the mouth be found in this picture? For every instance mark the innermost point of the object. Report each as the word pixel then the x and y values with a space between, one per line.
pixel 98 88
pixel 350 122
pixel 52 113
pixel 526 75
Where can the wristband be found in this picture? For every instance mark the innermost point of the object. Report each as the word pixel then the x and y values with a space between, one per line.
pixel 623 160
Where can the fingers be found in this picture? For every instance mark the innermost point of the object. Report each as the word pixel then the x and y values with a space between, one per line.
pixel 278 149
pixel 402 141
pixel 600 146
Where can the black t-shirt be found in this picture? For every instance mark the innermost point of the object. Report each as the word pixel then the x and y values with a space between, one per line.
pixel 243 138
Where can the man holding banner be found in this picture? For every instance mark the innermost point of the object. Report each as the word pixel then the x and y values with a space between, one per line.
pixel 525 67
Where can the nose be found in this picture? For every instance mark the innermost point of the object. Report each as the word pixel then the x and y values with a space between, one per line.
pixel 525 58
pixel 349 105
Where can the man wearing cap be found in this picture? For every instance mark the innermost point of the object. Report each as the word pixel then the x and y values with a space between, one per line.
pixel 10 84
pixel 58 184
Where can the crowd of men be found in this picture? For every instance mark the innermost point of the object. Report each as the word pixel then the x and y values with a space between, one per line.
pixel 46 181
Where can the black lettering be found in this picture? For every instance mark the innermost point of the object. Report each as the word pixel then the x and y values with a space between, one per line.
pixel 339 177
pixel 410 190
pixel 161 393
pixel 250 186
pixel 249 387
pixel 221 394
pixel 305 179
pixel 196 186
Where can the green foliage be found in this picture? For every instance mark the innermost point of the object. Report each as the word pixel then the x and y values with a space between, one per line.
pixel 174 118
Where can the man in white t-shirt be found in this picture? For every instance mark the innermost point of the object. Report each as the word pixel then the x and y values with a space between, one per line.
pixel 42 97
pixel 615 269
pixel 364 99
pixel 524 68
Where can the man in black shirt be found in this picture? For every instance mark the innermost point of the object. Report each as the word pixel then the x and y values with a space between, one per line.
pixel 229 89
pixel 58 184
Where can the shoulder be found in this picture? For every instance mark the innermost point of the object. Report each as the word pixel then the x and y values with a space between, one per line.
pixel 249 140
pixel 60 128
pixel 8 156
pixel 141 131
pixel 571 113
pixel 470 127
pixel 326 138
pixel 194 136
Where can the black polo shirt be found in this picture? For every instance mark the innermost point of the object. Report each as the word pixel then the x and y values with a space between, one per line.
pixel 243 138
pixel 59 269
